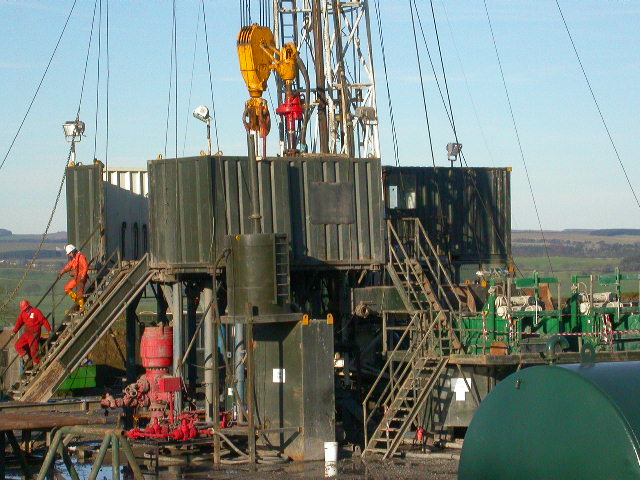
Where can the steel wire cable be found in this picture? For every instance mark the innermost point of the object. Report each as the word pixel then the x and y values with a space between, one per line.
pixel 106 141
pixel 97 115
pixel 9 298
pixel 213 102
pixel 515 127
pixel 595 101
pixel 424 97
pixel 193 67
pixel 447 106
pixel 394 135
pixel 33 99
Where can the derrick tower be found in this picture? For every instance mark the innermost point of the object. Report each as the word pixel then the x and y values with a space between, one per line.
pixel 334 39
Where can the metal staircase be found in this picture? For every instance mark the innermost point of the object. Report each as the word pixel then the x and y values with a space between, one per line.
pixel 420 356
pixel 82 330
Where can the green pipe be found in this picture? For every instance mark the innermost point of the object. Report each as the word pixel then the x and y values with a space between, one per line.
pixel 137 473
pixel 67 461
pixel 115 456
pixel 100 458
pixel 51 455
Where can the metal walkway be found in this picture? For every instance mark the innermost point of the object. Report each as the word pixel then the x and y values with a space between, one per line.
pixel 82 331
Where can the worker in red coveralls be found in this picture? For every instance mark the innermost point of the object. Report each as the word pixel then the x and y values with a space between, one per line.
pixel 33 320
pixel 78 266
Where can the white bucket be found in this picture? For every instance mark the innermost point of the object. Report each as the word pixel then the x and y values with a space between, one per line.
pixel 330 459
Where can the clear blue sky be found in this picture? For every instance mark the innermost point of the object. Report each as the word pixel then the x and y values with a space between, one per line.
pixel 576 178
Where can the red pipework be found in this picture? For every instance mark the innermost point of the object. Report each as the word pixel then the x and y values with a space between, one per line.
pixel 291 110
pixel 154 390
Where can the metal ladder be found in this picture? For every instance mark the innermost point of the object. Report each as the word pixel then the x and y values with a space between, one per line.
pixel 83 330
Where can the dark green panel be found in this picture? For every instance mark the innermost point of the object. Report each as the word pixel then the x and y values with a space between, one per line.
pixel 306 398
pixel 556 423
pixel 85 207
pixel 185 193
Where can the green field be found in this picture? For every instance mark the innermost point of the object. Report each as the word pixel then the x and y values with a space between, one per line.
pixel 36 284
pixel 565 267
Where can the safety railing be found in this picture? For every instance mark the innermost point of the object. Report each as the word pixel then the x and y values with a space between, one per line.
pixel 407 359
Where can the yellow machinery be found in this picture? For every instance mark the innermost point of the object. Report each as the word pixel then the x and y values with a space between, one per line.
pixel 258 56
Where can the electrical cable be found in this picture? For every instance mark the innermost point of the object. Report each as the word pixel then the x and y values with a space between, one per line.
pixel 33 99
pixel 424 97
pixel 213 102
pixel 515 127
pixel 595 101
pixel 394 135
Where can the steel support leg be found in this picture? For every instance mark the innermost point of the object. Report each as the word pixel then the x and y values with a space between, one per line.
pixel 210 351
pixel 178 339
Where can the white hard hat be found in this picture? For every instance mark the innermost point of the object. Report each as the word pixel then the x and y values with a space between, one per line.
pixel 69 248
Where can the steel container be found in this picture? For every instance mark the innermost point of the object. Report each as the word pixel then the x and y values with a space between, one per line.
pixel 557 422
pixel 330 209
pixel 465 211
pixel 108 209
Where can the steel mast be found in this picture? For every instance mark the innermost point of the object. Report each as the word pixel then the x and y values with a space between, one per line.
pixel 334 38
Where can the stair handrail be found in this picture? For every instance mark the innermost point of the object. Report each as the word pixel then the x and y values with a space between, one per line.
pixel 434 253
pixel 55 334
pixel 393 253
pixel 138 286
pixel 387 391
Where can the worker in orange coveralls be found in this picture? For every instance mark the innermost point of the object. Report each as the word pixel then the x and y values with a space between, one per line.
pixel 33 320
pixel 78 266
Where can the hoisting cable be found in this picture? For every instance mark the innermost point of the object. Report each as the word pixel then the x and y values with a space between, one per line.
pixel 424 97
pixel 595 101
pixel 33 99
pixel 515 127
pixel 213 102
pixel 9 298
pixel 394 135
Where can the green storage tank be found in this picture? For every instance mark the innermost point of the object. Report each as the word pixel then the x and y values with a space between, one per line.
pixel 578 421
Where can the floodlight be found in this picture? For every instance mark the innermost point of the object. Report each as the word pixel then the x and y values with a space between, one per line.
pixel 453 149
pixel 73 130
pixel 202 113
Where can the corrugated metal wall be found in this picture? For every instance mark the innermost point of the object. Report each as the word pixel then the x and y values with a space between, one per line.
pixel 330 208
pixel 85 207
pixel 117 199
pixel 466 211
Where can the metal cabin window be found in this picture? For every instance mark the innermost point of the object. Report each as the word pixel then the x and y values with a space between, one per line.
pixel 136 241
pixel 123 240
pixel 145 238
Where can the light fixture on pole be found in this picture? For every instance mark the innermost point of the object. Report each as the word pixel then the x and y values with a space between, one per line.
pixel 202 113
pixel 453 150
pixel 73 131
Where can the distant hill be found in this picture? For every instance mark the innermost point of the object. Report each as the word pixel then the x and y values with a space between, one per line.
pixel 4 232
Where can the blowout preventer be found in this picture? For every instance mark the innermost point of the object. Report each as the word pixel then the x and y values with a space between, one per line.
pixel 154 390
pixel 258 56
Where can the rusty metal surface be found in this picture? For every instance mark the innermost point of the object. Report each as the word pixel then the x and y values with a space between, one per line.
pixel 46 420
